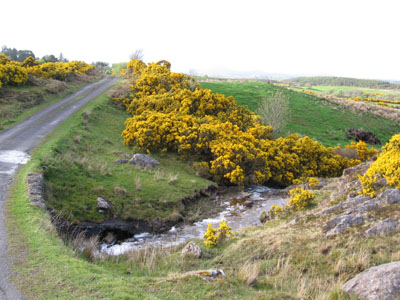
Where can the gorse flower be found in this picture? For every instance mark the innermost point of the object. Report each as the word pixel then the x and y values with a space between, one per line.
pixel 171 112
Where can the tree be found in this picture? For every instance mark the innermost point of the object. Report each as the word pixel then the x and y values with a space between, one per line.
pixel 138 54
pixel 274 111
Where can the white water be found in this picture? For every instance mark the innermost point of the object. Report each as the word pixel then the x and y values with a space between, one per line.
pixel 237 216
pixel 11 159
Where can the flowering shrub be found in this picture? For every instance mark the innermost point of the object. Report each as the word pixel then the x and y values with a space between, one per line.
pixel 387 165
pixel 14 73
pixel 216 236
pixel 362 151
pixel 171 112
pixel 300 198
pixel 275 210
pixel 313 182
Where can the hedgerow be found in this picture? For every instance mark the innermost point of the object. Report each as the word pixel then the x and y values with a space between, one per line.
pixel 15 73
pixel 171 112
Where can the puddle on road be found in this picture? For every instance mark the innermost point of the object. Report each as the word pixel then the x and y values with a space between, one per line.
pixel 10 159
pixel 235 213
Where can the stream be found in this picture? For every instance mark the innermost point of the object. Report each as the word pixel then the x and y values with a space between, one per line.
pixel 241 209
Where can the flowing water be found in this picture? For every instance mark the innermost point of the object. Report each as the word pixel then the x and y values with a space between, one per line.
pixel 241 209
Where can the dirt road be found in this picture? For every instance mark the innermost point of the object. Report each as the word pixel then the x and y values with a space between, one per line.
pixel 16 143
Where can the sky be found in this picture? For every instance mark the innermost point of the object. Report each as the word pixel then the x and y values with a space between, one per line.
pixel 349 38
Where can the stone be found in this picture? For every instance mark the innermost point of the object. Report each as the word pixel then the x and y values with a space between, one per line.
pixel 103 204
pixel 376 283
pixel 209 275
pixel 144 160
pixel 263 217
pixel 390 196
pixel 109 238
pixel 36 189
pixel 338 224
pixel 192 249
pixel 387 225
pixel 248 203
pixel 121 161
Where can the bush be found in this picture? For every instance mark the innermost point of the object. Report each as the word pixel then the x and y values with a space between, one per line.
pixel 300 199
pixel 387 166
pixel 217 236
pixel 171 112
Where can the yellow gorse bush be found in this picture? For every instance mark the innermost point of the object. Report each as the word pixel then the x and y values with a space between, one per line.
pixel 275 210
pixel 362 151
pixel 171 112
pixel 14 73
pixel 216 236
pixel 300 199
pixel 387 166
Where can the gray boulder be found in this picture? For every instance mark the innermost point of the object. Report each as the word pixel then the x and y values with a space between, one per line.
pixel 339 224
pixel 390 196
pixel 387 225
pixel 191 249
pixel 103 204
pixel 376 283
pixel 144 160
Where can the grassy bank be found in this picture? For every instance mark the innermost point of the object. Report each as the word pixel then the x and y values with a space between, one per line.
pixel 310 115
pixel 18 103
pixel 81 167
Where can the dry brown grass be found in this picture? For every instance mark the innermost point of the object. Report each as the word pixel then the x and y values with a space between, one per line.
pixel 119 191
pixel 248 273
pixel 172 178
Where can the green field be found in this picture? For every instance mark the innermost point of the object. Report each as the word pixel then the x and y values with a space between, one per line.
pixel 310 115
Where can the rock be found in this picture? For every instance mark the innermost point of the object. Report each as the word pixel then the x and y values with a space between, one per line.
pixel 263 217
pixel 363 207
pixel 248 203
pixel 376 283
pixel 144 160
pixel 390 196
pixel 387 225
pixel 36 189
pixel 210 275
pixel 109 238
pixel 362 135
pixel 103 204
pixel 357 170
pixel 192 249
pixel 121 161
pixel 338 224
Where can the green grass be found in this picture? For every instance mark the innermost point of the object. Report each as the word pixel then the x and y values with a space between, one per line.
pixel 310 115
pixel 19 107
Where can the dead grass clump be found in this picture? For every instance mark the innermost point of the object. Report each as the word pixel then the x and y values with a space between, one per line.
pixel 119 191
pixel 158 174
pixel 248 273
pixel 77 139
pixel 346 153
pixel 138 184
pixel 87 247
pixel 172 178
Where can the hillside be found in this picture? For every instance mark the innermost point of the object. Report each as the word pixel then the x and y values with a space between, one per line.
pixel 309 115
pixel 342 81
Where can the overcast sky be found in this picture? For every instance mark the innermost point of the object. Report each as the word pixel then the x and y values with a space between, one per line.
pixel 311 37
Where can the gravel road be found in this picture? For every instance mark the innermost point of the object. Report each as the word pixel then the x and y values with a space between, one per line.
pixel 16 143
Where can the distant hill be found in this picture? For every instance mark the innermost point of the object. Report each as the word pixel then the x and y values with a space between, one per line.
pixel 343 81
